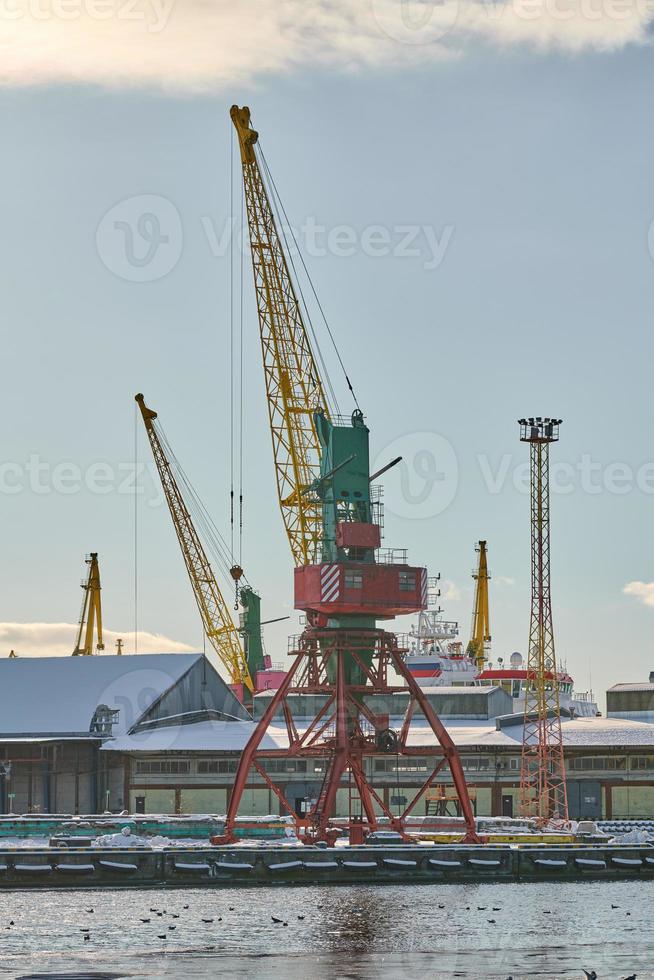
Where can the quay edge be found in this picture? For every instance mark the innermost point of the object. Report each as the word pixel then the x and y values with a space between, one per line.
pixel 228 866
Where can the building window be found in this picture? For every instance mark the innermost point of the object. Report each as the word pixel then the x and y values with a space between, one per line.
pixel 284 765
pixel 599 762
pixel 163 767
pixel 353 580
pixel 217 766
pixel 641 762
pixel 407 581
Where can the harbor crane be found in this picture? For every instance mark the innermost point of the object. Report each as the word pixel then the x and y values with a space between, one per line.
pixel 343 582
pixel 216 618
pixel 480 635
pixel 91 615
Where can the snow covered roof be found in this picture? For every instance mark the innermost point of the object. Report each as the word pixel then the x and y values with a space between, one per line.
pixel 221 736
pixel 59 695
pixel 631 687
pixel 203 736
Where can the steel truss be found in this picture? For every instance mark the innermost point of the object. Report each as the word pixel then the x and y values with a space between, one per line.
pixel 349 667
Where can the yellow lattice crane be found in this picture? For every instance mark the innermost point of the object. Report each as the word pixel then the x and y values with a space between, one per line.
pixel 480 635
pixel 293 385
pixel 216 618
pixel 91 614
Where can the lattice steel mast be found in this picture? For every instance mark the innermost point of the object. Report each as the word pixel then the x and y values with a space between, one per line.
pixel 542 776
pixel 480 635
pixel 91 614
pixel 293 385
pixel 216 618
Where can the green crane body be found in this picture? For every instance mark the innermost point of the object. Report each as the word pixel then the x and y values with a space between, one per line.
pixel 250 622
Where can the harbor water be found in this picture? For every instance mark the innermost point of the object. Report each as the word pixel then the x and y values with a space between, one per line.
pixel 549 930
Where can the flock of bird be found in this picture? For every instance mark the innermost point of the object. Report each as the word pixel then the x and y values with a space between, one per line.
pixel 163 914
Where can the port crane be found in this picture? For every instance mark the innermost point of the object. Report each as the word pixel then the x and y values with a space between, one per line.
pixel 91 615
pixel 480 635
pixel 218 624
pixel 332 517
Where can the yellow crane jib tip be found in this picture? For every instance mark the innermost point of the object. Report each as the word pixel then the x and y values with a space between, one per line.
pixel 146 412
pixel 247 136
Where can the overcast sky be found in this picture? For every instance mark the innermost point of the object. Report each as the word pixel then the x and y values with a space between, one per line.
pixel 472 186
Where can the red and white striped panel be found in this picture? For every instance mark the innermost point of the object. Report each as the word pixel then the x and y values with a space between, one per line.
pixel 330 582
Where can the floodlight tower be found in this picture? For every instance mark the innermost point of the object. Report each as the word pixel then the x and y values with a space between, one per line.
pixel 542 775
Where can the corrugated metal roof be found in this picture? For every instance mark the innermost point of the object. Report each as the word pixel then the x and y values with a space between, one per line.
pixel 59 695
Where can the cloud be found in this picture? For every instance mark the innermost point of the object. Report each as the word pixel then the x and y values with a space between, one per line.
pixel 58 640
pixel 644 591
pixel 503 580
pixel 450 591
pixel 223 45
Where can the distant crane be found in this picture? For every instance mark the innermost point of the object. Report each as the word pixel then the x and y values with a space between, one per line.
pixel 91 615
pixel 216 618
pixel 480 635
pixel 543 792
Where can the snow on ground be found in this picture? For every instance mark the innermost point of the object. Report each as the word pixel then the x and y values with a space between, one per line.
pixel 633 837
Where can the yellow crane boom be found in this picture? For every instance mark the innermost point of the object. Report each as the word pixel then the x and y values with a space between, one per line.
pixel 91 614
pixel 293 384
pixel 480 636
pixel 216 617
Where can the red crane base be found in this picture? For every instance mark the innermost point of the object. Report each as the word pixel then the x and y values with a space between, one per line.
pixel 347 666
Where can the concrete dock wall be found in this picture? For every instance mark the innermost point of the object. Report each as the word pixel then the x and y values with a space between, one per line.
pixel 216 867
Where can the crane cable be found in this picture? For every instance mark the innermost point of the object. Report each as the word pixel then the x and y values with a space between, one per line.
pixel 136 537
pixel 235 396
pixel 279 212
pixel 200 516
pixel 304 266
pixel 231 341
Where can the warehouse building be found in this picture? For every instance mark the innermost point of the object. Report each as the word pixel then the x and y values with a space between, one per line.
pixel 57 713
pixel 164 734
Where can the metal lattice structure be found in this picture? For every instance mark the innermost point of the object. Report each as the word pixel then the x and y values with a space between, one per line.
pixel 216 617
pixel 542 776
pixel 349 731
pixel 480 635
pixel 91 615
pixel 293 385
pixel 324 486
